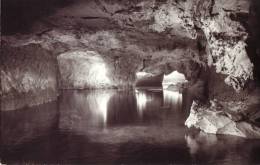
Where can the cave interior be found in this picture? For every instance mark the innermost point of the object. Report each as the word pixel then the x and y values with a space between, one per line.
pixel 213 46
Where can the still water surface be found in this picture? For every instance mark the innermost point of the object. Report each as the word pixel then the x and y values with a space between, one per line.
pixel 117 127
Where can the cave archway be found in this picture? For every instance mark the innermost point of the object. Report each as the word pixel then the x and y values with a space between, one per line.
pixel 169 85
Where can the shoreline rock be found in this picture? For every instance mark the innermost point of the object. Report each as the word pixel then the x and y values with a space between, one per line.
pixel 215 120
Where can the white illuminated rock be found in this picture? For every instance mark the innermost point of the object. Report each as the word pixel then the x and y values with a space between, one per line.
pixel 211 120
pixel 83 69
pixel 174 78
pixel 140 75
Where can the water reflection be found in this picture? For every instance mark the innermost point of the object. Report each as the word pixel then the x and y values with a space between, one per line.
pixel 148 99
pixel 220 149
pixel 23 125
pixel 172 98
pixel 82 110
pixel 106 126
pixel 100 103
pixel 142 99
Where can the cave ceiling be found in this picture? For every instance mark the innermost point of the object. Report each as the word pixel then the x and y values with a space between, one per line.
pixel 109 27
pixel 158 32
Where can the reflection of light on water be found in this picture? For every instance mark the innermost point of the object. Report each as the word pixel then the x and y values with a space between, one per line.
pixel 99 104
pixel 192 144
pixel 102 105
pixel 172 97
pixel 201 141
pixel 142 99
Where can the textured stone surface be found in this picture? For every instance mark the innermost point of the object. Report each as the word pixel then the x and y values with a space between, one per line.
pixel 28 77
pixel 215 120
pixel 124 53
pixel 226 37
pixel 81 70
pixel 220 21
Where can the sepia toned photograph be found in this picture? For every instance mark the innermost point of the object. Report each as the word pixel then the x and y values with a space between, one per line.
pixel 130 82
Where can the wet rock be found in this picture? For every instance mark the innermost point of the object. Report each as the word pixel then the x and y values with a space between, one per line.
pixel 216 121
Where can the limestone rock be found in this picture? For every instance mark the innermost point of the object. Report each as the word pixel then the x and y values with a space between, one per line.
pixel 228 50
pixel 81 69
pixel 27 81
pixel 212 120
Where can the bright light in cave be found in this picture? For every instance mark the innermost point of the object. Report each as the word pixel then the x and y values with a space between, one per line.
pixel 143 74
pixel 98 72
pixel 173 79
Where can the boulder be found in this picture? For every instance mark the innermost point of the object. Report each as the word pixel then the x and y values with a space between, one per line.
pixel 213 120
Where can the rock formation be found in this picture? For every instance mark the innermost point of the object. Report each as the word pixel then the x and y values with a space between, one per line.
pixel 103 44
pixel 28 76
pixel 220 120
pixel 81 69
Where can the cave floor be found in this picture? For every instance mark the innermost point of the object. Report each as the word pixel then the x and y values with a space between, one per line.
pixel 117 127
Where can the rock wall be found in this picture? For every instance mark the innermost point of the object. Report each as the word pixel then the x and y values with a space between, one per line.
pixel 28 76
pixel 91 70
pixel 81 70
pixel 226 37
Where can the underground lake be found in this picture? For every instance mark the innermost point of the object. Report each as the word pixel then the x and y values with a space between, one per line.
pixel 136 126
